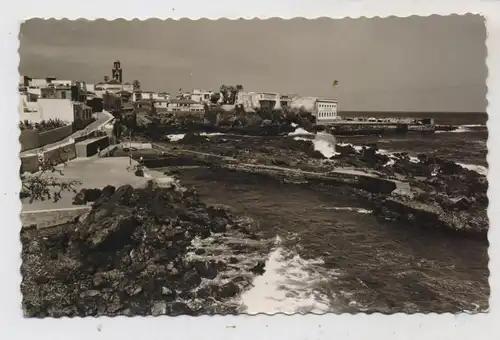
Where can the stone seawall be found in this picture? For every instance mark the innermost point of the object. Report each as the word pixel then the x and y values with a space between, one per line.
pixel 40 219
pixel 362 181
pixel 355 178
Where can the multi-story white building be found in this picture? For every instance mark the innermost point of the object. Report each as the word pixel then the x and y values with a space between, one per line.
pixel 201 96
pixel 46 109
pixel 322 109
pixel 257 100
pixel 184 105
pixel 325 109
pixel 112 86
pixel 57 82
pixel 150 95
pixel 161 104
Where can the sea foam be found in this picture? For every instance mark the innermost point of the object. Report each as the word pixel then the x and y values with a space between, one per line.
pixel 287 286
pixel 323 142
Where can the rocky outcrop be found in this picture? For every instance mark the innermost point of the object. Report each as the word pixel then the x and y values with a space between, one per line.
pixel 454 196
pixel 127 257
pixel 432 215
pixel 444 195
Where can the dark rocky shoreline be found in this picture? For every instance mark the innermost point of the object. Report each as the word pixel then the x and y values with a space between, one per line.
pixel 442 194
pixel 128 257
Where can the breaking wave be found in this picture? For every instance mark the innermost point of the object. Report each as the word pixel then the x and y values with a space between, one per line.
pixel 477 168
pixel 176 137
pixel 465 128
pixel 288 286
pixel 323 142
pixel 358 210
pixel 300 131
pixel 482 170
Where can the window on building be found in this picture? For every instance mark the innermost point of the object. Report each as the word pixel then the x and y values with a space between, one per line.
pixel 63 95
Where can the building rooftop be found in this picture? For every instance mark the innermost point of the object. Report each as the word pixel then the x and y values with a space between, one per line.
pixel 109 82
pixel 45 108
pixel 183 101
pixel 327 100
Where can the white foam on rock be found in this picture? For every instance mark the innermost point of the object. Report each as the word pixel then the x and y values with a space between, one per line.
pixel 300 131
pixel 353 209
pixel 176 137
pixel 358 148
pixel 472 125
pixel 287 286
pixel 211 134
pixel 323 142
pixel 482 170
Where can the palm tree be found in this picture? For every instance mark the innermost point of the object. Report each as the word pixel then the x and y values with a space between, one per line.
pixel 232 94
pixel 136 85
pixel 225 93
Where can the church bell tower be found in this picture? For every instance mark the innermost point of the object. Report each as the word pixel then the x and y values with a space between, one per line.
pixel 116 73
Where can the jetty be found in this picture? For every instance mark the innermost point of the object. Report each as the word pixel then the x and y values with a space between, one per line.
pixel 377 126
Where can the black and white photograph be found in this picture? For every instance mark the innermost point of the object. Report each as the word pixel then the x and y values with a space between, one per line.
pixel 200 167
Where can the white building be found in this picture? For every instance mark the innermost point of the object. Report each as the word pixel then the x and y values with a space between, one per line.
pixel 184 105
pixel 326 109
pixel 46 109
pixel 33 94
pixel 38 83
pixel 323 109
pixel 150 95
pixel 113 86
pixel 201 96
pixel 57 82
pixel 257 100
pixel 161 104
pixel 90 87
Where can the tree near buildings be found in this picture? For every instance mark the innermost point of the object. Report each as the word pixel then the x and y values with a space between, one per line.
pixel 232 94
pixel 224 91
pixel 210 115
pixel 136 85
pixel 214 98
pixel 229 93
pixel 40 186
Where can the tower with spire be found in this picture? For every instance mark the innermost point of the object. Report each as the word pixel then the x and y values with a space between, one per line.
pixel 117 72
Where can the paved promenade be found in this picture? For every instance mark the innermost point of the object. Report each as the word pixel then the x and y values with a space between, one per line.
pixel 93 172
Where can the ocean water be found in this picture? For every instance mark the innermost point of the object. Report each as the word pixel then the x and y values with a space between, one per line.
pixel 466 145
pixel 329 254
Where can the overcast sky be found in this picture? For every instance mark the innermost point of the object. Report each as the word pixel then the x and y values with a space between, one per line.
pixel 418 64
